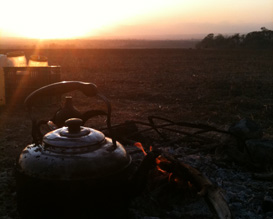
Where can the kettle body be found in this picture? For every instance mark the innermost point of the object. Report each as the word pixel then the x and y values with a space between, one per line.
pixel 73 171
pixel 50 185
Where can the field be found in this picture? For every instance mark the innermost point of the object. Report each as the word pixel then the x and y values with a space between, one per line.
pixel 205 86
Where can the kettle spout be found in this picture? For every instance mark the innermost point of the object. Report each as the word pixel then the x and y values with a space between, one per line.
pixel 52 126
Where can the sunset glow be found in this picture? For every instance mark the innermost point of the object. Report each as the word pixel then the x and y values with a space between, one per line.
pixel 71 19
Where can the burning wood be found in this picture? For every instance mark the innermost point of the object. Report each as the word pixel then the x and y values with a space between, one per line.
pixel 211 193
pixel 179 171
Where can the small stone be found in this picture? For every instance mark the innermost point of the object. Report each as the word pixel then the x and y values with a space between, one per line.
pixel 267 204
pixel 260 151
pixel 246 129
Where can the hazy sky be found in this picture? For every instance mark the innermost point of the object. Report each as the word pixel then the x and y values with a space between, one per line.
pixel 132 19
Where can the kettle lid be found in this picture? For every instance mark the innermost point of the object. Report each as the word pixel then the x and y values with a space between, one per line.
pixel 73 138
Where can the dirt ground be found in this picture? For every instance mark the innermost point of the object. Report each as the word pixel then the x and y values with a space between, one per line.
pixel 211 87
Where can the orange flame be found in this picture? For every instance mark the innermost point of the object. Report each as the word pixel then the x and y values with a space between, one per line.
pixel 159 169
pixel 170 176
pixel 158 160
pixel 139 145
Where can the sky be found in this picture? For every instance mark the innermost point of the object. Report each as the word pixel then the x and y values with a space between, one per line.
pixel 141 19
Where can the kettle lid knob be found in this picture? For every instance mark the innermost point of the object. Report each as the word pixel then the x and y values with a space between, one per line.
pixel 74 125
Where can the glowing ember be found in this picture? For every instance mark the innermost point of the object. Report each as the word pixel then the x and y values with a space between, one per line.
pixel 169 178
pixel 159 169
pixel 139 145
pixel 159 160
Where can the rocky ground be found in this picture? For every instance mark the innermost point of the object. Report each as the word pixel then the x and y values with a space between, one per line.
pixel 216 88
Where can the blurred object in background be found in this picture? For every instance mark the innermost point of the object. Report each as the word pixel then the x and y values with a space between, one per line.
pixel 3 61
pixel 16 59
pixel 37 60
pixel 19 76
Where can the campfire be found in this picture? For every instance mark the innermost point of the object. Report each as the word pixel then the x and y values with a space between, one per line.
pixel 166 171
pixel 168 176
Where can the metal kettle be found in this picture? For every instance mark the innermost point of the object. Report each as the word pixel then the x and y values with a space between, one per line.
pixel 71 164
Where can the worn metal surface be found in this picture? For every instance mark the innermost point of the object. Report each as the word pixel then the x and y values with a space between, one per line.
pixel 73 163
pixel 64 138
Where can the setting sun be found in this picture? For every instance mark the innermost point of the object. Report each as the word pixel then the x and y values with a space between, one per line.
pixel 123 18
pixel 70 19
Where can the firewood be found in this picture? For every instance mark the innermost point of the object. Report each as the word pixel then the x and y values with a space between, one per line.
pixel 217 202
pixel 211 193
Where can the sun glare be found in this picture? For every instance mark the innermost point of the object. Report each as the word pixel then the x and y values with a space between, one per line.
pixel 62 19
pixel 52 21
pixel 69 19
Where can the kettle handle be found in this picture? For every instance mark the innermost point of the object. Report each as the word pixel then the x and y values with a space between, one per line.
pixel 59 88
